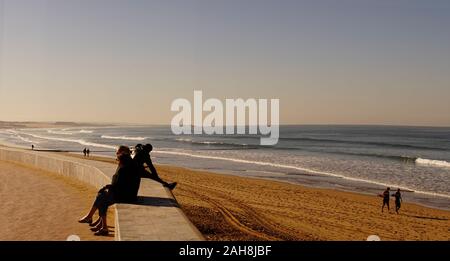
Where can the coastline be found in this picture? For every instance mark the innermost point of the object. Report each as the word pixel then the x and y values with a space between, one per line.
pixel 414 179
pixel 43 124
pixel 230 207
pixel 226 207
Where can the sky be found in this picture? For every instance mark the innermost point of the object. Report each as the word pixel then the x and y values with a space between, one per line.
pixel 329 62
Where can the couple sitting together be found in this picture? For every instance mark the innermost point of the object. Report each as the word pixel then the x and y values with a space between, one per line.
pixel 124 186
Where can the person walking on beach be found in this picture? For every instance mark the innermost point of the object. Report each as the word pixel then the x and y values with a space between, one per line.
pixel 142 158
pixel 87 152
pixel 398 200
pixel 385 196
pixel 84 152
pixel 32 147
pixel 123 189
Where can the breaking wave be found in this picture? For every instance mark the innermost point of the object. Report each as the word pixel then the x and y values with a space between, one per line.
pixel 124 138
pixel 436 163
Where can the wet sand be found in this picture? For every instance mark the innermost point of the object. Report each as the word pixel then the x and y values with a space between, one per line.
pixel 225 207
pixel 37 205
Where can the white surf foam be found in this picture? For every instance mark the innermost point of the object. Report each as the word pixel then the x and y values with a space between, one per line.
pixel 16 135
pixel 124 138
pixel 25 139
pixel 79 141
pixel 435 163
pixel 60 132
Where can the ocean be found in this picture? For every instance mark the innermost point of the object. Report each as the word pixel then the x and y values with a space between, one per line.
pixel 364 159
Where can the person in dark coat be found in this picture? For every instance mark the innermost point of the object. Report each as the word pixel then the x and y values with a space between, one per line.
pixel 123 189
pixel 144 162
pixel 385 196
pixel 398 200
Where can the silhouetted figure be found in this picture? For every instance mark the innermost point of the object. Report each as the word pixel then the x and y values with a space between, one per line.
pixel 85 152
pixel 385 199
pixel 142 158
pixel 398 200
pixel 32 147
pixel 123 189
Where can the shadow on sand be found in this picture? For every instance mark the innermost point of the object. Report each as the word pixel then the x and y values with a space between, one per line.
pixel 154 201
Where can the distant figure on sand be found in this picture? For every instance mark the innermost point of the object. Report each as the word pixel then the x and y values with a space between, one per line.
pixel 84 152
pixel 398 200
pixel 141 157
pixel 87 152
pixel 32 147
pixel 385 196
pixel 123 189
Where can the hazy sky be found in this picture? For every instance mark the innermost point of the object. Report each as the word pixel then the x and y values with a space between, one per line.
pixel 345 62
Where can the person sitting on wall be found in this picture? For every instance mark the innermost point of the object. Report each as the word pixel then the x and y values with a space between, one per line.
pixel 123 189
pixel 143 160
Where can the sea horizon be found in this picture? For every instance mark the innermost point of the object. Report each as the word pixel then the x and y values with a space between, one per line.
pixel 89 123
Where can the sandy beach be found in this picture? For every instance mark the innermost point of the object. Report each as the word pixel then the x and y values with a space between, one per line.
pixel 37 205
pixel 225 207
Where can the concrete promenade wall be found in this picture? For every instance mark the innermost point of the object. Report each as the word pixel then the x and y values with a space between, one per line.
pixel 156 215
